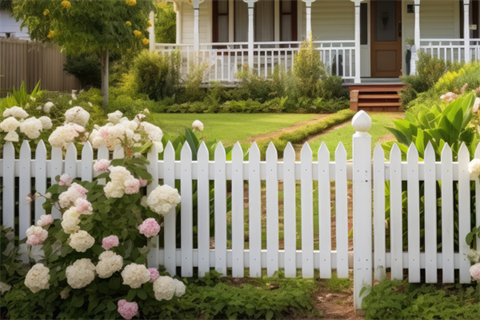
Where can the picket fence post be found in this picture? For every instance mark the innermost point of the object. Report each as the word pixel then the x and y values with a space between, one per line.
pixel 362 205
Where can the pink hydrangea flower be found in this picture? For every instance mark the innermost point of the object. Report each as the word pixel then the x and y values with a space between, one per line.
pixel 65 180
pixel 153 274
pixel 475 271
pixel 110 242
pixel 132 186
pixel 78 188
pixel 101 165
pixel 45 220
pixel 83 206
pixel 143 182
pixel 149 227
pixel 127 310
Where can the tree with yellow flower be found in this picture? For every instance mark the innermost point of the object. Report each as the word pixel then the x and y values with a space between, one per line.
pixel 85 26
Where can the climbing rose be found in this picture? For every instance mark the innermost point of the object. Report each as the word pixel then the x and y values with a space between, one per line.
pixel 162 199
pixel 37 278
pixel 45 220
pixel 36 235
pixel 475 271
pixel 197 124
pixel 474 167
pixel 83 206
pixel 65 180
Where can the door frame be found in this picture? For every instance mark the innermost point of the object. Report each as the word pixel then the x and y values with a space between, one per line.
pixel 374 45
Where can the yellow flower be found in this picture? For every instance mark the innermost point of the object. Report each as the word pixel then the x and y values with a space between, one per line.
pixel 51 34
pixel 128 23
pixel 131 2
pixel 46 12
pixel 145 41
pixel 149 23
pixel 137 33
pixel 66 4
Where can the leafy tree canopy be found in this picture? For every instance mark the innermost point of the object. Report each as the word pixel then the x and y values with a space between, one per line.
pixel 165 23
pixel 86 25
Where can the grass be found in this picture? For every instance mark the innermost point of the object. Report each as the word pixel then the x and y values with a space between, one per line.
pixel 344 134
pixel 227 127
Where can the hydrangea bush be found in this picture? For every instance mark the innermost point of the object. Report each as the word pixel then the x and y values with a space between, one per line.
pixel 100 243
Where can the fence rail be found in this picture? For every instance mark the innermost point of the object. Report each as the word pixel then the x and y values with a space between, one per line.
pixel 451 50
pixel 300 193
pixel 224 60
pixel 23 60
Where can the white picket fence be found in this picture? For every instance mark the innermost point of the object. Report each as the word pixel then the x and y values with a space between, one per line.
pixel 369 260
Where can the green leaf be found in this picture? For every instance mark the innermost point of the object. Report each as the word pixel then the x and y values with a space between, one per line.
pixel 142 294
pixel 78 303
pixel 114 283
pixel 131 294
pixel 269 315
pixel 111 306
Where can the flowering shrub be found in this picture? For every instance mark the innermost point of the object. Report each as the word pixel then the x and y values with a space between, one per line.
pixel 105 233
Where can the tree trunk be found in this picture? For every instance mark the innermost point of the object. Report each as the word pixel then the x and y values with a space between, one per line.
pixel 104 61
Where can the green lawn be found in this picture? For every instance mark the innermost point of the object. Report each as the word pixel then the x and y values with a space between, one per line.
pixel 344 134
pixel 228 127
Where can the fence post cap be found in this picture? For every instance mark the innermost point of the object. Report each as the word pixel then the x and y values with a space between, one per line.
pixel 361 122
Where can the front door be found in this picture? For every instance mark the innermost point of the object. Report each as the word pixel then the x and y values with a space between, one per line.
pixel 386 50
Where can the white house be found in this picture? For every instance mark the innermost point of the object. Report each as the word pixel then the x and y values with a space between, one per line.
pixel 358 39
pixel 11 28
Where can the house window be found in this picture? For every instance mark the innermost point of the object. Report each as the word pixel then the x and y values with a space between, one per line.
pixel 220 24
pixel 288 20
pixel 241 21
pixel 363 23
pixel 474 19
pixel 264 21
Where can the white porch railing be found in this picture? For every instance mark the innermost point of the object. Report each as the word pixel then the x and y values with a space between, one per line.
pixel 224 60
pixel 451 50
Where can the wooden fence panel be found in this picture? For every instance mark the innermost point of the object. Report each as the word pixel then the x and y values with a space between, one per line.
pixel 272 210
pixel 447 216
pixel 238 232
pixel 203 211
pixel 430 205
pixel 324 212
pixel 413 193
pixel 289 211
pixel 29 61
pixel 255 212
pixel 307 211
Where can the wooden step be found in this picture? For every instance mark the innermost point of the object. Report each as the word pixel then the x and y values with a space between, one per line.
pixel 379 104
pixel 378 96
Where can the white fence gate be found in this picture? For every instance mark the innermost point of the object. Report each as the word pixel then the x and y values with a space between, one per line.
pixel 244 180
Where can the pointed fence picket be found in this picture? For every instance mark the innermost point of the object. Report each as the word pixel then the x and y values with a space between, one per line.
pixel 259 182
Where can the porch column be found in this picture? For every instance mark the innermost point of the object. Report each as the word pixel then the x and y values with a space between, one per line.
pixel 309 18
pixel 357 41
pixel 466 29
pixel 196 35
pixel 414 58
pixel 151 32
pixel 251 34
pixel 177 7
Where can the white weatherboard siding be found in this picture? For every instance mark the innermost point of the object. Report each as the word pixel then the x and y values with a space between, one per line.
pixel 9 25
pixel 205 22
pixel 333 20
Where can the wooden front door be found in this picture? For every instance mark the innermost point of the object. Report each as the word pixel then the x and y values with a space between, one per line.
pixel 386 47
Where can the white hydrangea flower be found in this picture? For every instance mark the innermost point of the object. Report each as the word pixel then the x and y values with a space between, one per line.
pixel 4 287
pixel 474 167
pixel 134 275
pixel 80 274
pixel 164 288
pixel 81 241
pixel 116 187
pixel 77 115
pixel 74 192
pixel 144 202
pixel 47 107
pixel 16 112
pixel 114 117
pixel 37 278
pixel 109 263
pixel 162 199
pixel 154 133
pixel 197 125
pixel 70 221
pixel 9 124
pixel 62 136
pixel 31 127
pixel 179 288
pixel 46 122
pixel 12 136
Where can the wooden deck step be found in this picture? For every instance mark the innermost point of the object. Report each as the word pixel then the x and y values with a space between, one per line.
pixel 378 96
pixel 379 104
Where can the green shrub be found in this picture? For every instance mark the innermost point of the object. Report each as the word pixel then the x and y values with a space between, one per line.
pixel 308 68
pixel 402 300
pixel 332 88
pixel 157 75
pixel 192 91
pixel 86 68
pixel 252 86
